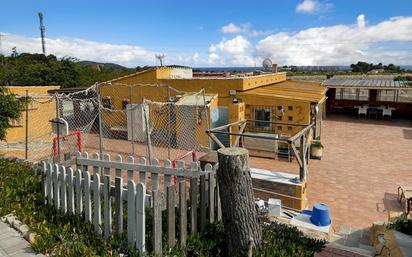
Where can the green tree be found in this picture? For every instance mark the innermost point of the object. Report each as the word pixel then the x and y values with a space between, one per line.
pixel 10 108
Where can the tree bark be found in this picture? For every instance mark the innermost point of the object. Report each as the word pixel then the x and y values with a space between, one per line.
pixel 238 206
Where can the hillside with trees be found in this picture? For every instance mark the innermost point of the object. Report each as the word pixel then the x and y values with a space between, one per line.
pixel 39 70
pixel 364 67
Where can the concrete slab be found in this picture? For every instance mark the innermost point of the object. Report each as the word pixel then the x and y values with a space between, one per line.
pixel 13 244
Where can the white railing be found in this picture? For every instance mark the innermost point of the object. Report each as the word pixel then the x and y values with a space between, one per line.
pixel 78 190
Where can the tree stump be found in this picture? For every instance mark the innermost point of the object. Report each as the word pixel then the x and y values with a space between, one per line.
pixel 238 206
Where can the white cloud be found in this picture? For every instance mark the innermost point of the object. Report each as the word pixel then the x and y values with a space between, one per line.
pixel 245 29
pixel 231 28
pixel 82 49
pixel 361 21
pixel 213 58
pixel 234 46
pixel 312 6
pixel 340 44
pixel 235 49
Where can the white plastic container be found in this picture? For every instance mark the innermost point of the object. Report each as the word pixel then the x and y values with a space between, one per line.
pixel 275 207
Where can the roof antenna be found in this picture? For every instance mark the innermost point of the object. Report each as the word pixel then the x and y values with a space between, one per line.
pixel 160 57
pixel 42 29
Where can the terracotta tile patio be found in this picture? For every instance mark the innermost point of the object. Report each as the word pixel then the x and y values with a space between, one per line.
pixel 364 162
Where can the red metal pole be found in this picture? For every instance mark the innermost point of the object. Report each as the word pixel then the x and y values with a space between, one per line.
pixel 79 141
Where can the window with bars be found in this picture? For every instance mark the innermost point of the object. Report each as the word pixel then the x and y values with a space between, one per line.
pixel 405 96
pixel 352 94
pixel 386 96
pixel 262 114
pixel 125 102
pixel 107 103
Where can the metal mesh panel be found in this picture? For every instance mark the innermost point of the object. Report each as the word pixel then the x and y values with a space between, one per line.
pixel 154 121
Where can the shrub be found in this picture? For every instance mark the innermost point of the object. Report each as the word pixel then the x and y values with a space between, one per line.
pixel 68 235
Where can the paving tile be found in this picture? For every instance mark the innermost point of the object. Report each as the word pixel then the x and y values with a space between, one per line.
pixel 12 244
pixel 364 162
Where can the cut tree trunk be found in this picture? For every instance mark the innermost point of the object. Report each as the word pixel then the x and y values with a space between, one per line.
pixel 238 206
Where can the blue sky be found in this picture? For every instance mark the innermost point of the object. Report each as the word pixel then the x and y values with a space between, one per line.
pixel 214 33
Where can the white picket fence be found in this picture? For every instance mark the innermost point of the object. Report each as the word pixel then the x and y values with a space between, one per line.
pixel 79 191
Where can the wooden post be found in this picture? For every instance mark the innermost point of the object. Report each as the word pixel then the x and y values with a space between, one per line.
pixel 171 222
pixel 203 204
pixel 182 212
pixel 140 218
pixel 131 212
pixel 87 197
pixel 157 223
pixel 119 205
pixel 193 205
pixel 107 215
pixel 97 205
pixel 238 205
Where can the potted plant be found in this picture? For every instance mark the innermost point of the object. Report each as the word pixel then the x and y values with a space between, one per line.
pixel 316 149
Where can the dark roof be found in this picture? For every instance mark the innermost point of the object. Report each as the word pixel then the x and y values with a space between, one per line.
pixel 366 83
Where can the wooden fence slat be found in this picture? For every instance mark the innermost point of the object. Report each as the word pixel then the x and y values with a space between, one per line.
pixel 219 206
pixel 193 205
pixel 182 212
pixel 78 192
pixel 131 213
pixel 97 206
pixel 203 203
pixel 142 174
pixel 212 183
pixel 107 207
pixel 87 196
pixel 140 217
pixel 118 185
pixel 78 155
pixel 157 223
pixel 86 156
pixel 63 191
pixel 155 176
pixel 171 217
pixel 49 184
pixel 95 168
pixel 130 159
pixel 118 158
pixel 167 178
pixel 106 170
pixel 70 191
pixel 181 166
pixel 56 187
pixel 43 179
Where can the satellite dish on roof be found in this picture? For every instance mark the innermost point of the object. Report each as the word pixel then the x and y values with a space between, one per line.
pixel 267 64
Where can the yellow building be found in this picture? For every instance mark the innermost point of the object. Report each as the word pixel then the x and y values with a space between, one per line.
pixel 41 109
pixel 268 96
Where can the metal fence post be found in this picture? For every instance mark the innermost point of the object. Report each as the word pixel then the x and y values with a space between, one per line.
pixel 149 142
pixel 26 152
pixel 169 124
pixel 58 127
pixel 100 119
pixel 131 117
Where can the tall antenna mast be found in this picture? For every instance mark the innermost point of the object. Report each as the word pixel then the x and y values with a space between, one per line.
pixel 160 57
pixel 42 29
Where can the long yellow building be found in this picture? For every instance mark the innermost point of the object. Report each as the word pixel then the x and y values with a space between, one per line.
pixel 268 96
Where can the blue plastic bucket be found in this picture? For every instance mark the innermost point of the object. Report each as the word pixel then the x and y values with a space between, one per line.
pixel 307 212
pixel 320 215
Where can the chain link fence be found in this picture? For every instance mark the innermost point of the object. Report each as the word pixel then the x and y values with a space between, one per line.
pixel 155 121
